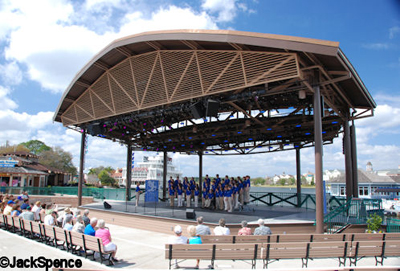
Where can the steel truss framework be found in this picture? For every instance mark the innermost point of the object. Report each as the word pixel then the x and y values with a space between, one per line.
pixel 143 93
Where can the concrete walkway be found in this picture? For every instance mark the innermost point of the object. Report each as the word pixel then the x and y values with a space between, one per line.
pixel 140 249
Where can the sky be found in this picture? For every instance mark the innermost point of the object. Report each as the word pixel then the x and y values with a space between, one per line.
pixel 44 43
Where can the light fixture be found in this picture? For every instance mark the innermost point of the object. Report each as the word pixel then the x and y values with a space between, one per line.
pixel 302 94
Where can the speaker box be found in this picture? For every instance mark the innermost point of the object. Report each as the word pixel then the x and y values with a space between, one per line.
pixel 198 110
pixel 190 214
pixel 95 129
pixel 212 108
pixel 107 205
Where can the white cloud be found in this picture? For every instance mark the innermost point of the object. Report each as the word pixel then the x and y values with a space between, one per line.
pixel 10 73
pixel 377 46
pixel 393 31
pixel 5 101
pixel 226 10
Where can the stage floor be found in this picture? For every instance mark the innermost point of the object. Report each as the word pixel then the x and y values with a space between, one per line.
pixel 250 213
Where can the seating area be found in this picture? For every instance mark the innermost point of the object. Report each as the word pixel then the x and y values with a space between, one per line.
pixel 271 248
pixel 76 243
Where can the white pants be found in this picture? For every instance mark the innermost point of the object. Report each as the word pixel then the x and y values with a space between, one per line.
pixel 228 203
pixel 180 201
pixel 216 203
pixel 196 201
pixel 188 200
pixel 236 201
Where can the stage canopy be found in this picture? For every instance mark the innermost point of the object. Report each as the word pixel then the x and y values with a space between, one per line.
pixel 214 92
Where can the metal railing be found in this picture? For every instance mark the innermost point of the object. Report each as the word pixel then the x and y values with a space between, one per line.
pixel 354 211
pixel 392 225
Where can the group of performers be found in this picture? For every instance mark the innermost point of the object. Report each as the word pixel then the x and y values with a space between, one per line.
pixel 219 194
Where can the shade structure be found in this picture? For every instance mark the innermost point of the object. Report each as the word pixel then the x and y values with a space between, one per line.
pixel 218 92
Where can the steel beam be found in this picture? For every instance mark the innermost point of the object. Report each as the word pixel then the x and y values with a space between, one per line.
pixel 165 169
pixel 298 177
pixel 128 173
pixel 347 158
pixel 354 159
pixel 81 166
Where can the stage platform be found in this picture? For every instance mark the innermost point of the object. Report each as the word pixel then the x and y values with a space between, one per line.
pixel 251 213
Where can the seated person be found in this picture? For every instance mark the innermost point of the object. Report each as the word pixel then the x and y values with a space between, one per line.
pixel 222 229
pixel 79 226
pixel 105 236
pixel 68 223
pixel 27 214
pixel 262 230
pixel 244 230
pixel 178 238
pixel 194 240
pixel 50 219
pixel 89 229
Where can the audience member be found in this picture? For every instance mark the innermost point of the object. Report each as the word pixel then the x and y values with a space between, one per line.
pixel 178 238
pixel 79 226
pixel 68 223
pixel 36 210
pixel 104 234
pixel 202 229
pixel 262 230
pixel 25 204
pixel 16 210
pixel 50 219
pixel 222 229
pixel 8 209
pixel 85 217
pixel 244 230
pixel 27 214
pixel 89 229
pixel 194 240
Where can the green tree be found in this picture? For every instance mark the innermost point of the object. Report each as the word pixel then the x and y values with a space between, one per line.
pixel 36 146
pixel 282 181
pixel 12 148
pixel 58 158
pixel 106 179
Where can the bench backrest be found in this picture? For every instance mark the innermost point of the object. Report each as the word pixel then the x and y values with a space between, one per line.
pixel 365 237
pixel 285 250
pixel 48 231
pixel 392 248
pixel 255 239
pixel 9 220
pixel 392 236
pixel 75 238
pixel 16 222
pixel 328 237
pixel 215 239
pixel 180 251
pixel 59 234
pixel 334 249
pixel 367 248
pixel 237 251
pixel 93 243
pixel 35 226
pixel 26 224
pixel 289 238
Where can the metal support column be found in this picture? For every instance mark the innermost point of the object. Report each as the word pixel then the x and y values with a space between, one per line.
pixel 298 177
pixel 200 170
pixel 347 159
pixel 165 169
pixel 81 167
pixel 354 159
pixel 128 173
pixel 319 192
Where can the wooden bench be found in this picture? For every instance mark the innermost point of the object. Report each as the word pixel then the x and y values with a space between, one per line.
pixel 306 251
pixel 216 239
pixel 377 249
pixel 213 252
pixel 92 244
pixel 75 242
pixel 60 238
pixel 3 222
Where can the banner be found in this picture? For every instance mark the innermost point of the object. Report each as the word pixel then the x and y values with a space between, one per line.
pixel 151 191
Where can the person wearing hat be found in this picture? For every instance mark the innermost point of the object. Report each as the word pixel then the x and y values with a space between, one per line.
pixel 177 238
pixel 62 219
pixel 36 210
pixel 9 207
pixel 27 214
pixel 25 204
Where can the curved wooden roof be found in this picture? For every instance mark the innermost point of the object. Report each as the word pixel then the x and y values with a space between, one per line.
pixel 157 76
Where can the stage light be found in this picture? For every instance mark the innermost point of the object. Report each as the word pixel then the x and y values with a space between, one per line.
pixel 183 145
pixel 169 139
pixel 239 132
pixel 151 142
pixel 173 148
pixel 302 94
pixel 194 129
pixel 162 121
pixel 123 134
pixel 212 135
pixel 130 121
pixel 247 123
pixel 279 136
pixel 334 122
pixel 110 130
pixel 298 125
pixel 269 129
pixel 165 147
pixel 250 139
pixel 308 133
pixel 202 143
pixel 226 141
pixel 190 137
pixel 124 127
pixel 104 125
pixel 324 132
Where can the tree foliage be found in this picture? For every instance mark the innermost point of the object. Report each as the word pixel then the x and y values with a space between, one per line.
pixel 13 148
pixel 36 146
pixel 58 158
pixel 106 179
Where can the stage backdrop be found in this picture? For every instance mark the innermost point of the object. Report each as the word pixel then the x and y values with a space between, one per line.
pixel 151 191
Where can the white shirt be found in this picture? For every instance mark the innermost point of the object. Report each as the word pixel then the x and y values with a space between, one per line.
pixel 36 211
pixel 222 231
pixel 177 240
pixel 49 220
